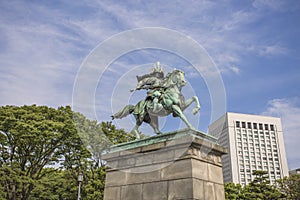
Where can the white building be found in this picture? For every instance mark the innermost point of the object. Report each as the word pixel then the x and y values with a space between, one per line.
pixel 295 171
pixel 254 142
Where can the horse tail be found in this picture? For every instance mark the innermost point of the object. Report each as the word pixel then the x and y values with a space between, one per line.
pixel 123 112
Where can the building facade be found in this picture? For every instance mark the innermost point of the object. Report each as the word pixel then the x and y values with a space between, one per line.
pixel 295 171
pixel 254 142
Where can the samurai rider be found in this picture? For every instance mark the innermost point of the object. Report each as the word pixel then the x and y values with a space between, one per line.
pixel 152 82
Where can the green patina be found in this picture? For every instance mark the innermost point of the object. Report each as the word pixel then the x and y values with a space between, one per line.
pixel 164 97
pixel 162 138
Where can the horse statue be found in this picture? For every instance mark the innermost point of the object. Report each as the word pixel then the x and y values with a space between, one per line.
pixel 163 98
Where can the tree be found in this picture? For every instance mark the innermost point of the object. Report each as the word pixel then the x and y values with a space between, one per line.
pixel 97 137
pixel 260 188
pixel 290 186
pixel 42 150
pixel 31 138
pixel 233 191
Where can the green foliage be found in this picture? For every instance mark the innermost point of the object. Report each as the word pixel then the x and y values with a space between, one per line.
pixel 233 191
pixel 54 185
pixel 290 186
pixel 98 137
pixel 34 138
pixel 95 182
pixel 259 189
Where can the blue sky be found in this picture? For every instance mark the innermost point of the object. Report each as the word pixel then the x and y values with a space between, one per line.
pixel 254 44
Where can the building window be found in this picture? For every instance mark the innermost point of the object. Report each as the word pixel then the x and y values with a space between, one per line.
pixel 266 127
pixel 249 125
pixel 243 124
pixel 260 127
pixel 254 125
pixel 237 124
pixel 272 133
pixel 272 127
pixel 261 133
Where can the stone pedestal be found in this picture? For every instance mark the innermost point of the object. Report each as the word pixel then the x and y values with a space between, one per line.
pixel 179 165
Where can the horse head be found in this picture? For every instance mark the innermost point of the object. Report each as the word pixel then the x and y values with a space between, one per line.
pixel 176 77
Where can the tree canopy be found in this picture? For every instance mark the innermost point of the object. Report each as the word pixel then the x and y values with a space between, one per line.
pixel 261 189
pixel 42 149
pixel 290 186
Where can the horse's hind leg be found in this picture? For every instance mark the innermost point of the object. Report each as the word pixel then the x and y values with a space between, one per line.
pixel 136 131
pixel 154 124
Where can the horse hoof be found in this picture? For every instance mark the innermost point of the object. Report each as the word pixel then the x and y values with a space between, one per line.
pixel 195 111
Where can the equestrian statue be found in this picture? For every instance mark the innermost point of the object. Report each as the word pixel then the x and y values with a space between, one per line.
pixel 163 98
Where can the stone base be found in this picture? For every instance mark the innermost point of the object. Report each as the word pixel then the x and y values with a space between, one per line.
pixel 178 165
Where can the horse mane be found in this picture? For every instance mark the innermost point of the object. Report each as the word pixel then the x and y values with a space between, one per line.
pixel 167 82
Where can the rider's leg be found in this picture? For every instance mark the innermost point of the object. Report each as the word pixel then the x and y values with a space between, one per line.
pixel 156 106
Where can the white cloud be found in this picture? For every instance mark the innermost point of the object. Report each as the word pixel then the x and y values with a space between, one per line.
pixel 276 5
pixel 289 112
pixel 235 69
pixel 272 50
pixel 47 43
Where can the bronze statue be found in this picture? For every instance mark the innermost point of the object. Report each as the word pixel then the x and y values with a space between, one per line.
pixel 163 98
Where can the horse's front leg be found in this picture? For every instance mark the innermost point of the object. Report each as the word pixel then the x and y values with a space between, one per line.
pixel 188 102
pixel 176 109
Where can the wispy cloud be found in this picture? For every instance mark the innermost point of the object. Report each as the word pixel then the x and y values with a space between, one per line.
pixel 275 5
pixel 289 111
pixel 52 40
pixel 43 44
pixel 272 50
